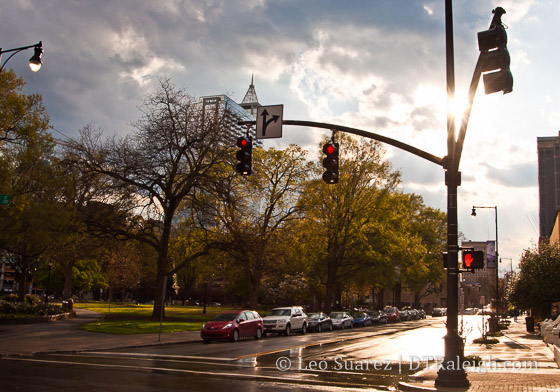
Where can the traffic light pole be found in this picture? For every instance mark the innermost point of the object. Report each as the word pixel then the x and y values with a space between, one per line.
pixel 452 372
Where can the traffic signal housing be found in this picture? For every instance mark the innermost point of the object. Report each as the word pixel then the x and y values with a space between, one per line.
pixel 473 259
pixel 494 57
pixel 244 155
pixel 330 163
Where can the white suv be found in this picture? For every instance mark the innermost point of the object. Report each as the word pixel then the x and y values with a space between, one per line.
pixel 285 320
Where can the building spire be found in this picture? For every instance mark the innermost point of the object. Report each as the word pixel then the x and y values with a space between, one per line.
pixel 250 103
pixel 251 95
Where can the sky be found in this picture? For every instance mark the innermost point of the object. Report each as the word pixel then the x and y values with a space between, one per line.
pixel 376 65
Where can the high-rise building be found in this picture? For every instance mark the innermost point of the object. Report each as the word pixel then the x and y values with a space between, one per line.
pixel 548 149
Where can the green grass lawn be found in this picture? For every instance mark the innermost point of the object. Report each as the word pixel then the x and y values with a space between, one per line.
pixel 130 319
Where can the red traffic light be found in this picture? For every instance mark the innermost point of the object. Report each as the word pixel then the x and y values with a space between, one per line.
pixel 473 259
pixel 330 148
pixel 243 142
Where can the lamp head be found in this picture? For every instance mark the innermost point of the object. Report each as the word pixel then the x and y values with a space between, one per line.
pixel 35 61
pixel 473 213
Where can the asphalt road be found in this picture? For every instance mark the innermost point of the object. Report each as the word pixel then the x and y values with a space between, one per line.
pixel 374 358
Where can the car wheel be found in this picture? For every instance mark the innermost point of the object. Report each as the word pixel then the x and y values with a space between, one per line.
pixel 330 327
pixel 319 328
pixel 351 325
pixel 263 333
pixel 304 329
pixel 287 330
pixel 342 326
pixel 235 336
pixel 259 334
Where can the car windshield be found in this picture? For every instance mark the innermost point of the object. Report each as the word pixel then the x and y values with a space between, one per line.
pixel 337 315
pixel 313 316
pixel 225 317
pixel 280 312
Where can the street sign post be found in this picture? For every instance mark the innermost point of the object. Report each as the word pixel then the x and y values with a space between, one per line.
pixel 269 121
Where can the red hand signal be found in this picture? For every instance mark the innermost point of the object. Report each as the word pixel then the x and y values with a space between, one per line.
pixel 468 260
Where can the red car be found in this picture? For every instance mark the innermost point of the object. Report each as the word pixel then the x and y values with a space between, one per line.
pixel 233 325
pixel 393 314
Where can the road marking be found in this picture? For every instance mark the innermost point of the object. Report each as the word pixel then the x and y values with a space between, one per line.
pixel 160 358
pixel 140 355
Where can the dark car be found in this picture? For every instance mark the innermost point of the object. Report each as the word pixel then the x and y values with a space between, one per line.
pixel 405 315
pixel 393 314
pixel 362 320
pixel 414 315
pixel 319 322
pixel 378 317
pixel 421 314
pixel 233 325
pixel 438 312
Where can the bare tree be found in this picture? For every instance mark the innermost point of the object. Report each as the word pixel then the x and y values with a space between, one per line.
pixel 178 146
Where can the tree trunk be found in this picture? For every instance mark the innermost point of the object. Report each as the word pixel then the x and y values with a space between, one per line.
pixel 161 279
pixel 67 292
pixel 330 285
pixel 22 282
pixel 254 287
pixel 397 294
pixel 380 299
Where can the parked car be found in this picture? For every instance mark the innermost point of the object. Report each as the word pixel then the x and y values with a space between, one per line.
pixel 437 312
pixel 285 320
pixel 393 314
pixel 341 320
pixel 319 322
pixel 414 315
pixel 362 320
pixel 233 325
pixel 405 315
pixel 421 314
pixel 378 317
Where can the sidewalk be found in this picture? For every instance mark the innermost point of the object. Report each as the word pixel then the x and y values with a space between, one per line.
pixel 64 335
pixel 520 362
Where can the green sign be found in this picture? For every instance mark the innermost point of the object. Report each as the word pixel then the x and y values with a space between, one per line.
pixel 4 199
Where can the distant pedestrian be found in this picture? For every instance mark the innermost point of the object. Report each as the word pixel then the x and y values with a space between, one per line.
pixel 515 314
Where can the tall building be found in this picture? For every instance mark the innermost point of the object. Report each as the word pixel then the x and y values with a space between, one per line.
pixel 548 149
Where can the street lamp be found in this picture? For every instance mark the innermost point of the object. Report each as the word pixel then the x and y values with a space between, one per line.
pixel 473 214
pixel 34 62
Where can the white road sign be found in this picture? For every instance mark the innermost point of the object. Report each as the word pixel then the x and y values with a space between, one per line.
pixel 269 121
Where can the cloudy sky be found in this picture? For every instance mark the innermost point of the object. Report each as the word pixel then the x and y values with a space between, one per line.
pixel 377 65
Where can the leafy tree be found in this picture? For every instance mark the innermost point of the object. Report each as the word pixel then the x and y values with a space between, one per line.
pixel 422 271
pixel 22 117
pixel 536 286
pixel 88 276
pixel 174 150
pixel 250 214
pixel 348 219
pixel 32 224
pixel 123 267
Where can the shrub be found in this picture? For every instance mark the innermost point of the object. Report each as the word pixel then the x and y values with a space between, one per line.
pixel 39 309
pixel 33 299
pixel 10 298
